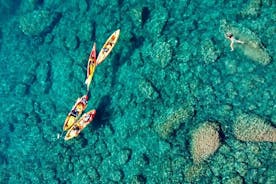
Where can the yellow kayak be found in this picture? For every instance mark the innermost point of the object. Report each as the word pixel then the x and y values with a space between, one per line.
pixel 91 66
pixel 75 112
pixel 108 46
pixel 75 130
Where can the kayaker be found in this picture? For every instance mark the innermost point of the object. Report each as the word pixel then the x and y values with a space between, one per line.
pixel 77 129
pixel 105 49
pixel 86 117
pixel 74 113
pixel 84 99
pixel 232 39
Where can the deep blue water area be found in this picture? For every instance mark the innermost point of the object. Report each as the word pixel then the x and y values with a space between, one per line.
pixel 174 103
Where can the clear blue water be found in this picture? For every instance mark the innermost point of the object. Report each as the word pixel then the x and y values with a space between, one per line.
pixel 171 71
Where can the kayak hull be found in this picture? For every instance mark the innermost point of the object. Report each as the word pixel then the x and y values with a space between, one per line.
pixel 108 46
pixel 91 66
pixel 69 121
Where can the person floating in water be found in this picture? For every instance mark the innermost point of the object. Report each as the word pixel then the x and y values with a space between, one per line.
pixel 232 39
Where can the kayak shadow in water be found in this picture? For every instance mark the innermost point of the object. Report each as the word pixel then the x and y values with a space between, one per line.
pixel 119 59
pixel 116 63
pixel 103 112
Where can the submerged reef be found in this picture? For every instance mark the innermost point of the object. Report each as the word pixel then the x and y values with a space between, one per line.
pixel 159 54
pixel 204 141
pixel 38 22
pixel 210 53
pixel 174 104
pixel 252 9
pixel 253 128
pixel 170 123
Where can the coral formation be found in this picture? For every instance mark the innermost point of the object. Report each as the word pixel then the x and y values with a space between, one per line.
pixel 204 141
pixel 193 172
pixel 253 128
pixel 170 123
pixel 209 53
pixel 252 9
pixel 147 90
pixel 159 53
pixel 156 21
pixel 38 22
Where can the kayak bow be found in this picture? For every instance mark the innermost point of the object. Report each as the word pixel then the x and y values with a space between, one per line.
pixel 91 66
pixel 108 46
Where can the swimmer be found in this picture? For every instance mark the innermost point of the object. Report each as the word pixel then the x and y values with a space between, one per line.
pixel 231 37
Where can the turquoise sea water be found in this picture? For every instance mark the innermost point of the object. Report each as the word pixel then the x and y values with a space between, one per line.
pixel 171 72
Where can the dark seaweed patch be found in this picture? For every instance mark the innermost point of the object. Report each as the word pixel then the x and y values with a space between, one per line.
pixel 145 14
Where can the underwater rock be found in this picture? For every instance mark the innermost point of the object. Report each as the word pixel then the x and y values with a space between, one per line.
pixel 205 141
pixel 43 71
pixel 235 180
pixel 123 156
pixel 193 172
pixel 116 175
pixel 146 90
pixel 252 47
pixel 32 120
pixel 252 10
pixel 208 51
pixel 28 78
pixel 160 53
pixel 38 22
pixel 71 41
pixel 49 175
pixel 172 122
pixel 29 5
pixel 183 53
pixel 138 179
pixel 156 21
pixel 82 4
pixel 78 73
pixel 52 4
pixel 253 128
pixel 85 31
pixel 135 14
pixel 62 63
pixel 21 89
pixel 48 38
pixel 266 3
pixel 93 173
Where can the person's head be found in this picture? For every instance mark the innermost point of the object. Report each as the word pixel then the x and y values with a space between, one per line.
pixel 93 113
pixel 229 35
pixel 84 99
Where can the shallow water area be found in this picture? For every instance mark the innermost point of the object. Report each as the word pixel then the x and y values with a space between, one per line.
pixel 174 104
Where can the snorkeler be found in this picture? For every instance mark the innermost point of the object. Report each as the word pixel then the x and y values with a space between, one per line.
pixel 231 37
